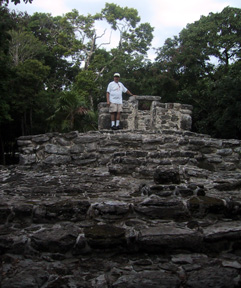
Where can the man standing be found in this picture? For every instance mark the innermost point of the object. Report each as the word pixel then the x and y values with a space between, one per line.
pixel 114 100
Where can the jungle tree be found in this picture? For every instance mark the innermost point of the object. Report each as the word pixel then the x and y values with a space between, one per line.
pixel 204 53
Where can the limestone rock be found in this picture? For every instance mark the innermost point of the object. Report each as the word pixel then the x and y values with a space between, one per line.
pixel 57 239
pixel 105 236
pixel 167 176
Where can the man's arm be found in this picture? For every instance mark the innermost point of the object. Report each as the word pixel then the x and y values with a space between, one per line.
pixel 108 98
pixel 128 92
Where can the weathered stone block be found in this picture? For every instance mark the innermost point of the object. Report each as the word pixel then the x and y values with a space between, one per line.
pixel 71 135
pixel 74 210
pixel 186 122
pixel 62 142
pixel 31 276
pixel 85 139
pixel 56 149
pixel 41 138
pixel 24 142
pixel 166 238
pixel 77 149
pixel 157 208
pixel 57 159
pixel 167 176
pixel 25 159
pixel 157 278
pixel 213 277
pixel 225 152
pixel 56 239
pixel 105 236
pixel 84 160
pixel 204 204
pixel 110 209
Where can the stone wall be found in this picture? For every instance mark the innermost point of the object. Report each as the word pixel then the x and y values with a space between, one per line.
pixel 147 113
pixel 100 147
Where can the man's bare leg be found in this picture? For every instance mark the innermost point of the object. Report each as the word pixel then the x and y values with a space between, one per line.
pixel 112 116
pixel 113 120
pixel 118 116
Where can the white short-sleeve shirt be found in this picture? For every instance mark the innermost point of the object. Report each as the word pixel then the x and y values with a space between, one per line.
pixel 116 89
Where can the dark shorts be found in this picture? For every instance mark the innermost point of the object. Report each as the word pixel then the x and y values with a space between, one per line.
pixel 115 108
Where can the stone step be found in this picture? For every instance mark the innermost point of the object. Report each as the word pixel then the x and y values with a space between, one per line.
pixel 194 270
pixel 162 237
pixel 98 148
pixel 74 194
pixel 121 209
pixel 174 202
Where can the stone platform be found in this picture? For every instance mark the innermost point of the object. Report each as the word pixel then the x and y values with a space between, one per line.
pixel 122 209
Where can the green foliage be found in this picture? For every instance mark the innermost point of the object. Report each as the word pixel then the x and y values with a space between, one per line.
pixel 55 32
pixel 141 39
pixel 114 14
pixel 213 90
pixel 226 92
pixel 71 114
pixel 85 86
pixel 27 87
pixel 23 46
pixel 133 38
pixel 31 75
pixel 5 69
pixel 57 36
pixel 216 35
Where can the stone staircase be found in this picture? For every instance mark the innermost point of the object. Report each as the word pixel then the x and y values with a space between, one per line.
pixel 122 209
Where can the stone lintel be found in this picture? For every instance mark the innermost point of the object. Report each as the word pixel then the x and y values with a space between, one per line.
pixel 148 98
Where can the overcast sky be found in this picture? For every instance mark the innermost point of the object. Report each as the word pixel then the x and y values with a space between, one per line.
pixel 168 17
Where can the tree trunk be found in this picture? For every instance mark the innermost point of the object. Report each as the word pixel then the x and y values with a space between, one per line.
pixel 91 101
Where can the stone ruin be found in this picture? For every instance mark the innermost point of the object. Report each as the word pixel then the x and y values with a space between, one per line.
pixel 147 113
pixel 149 206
